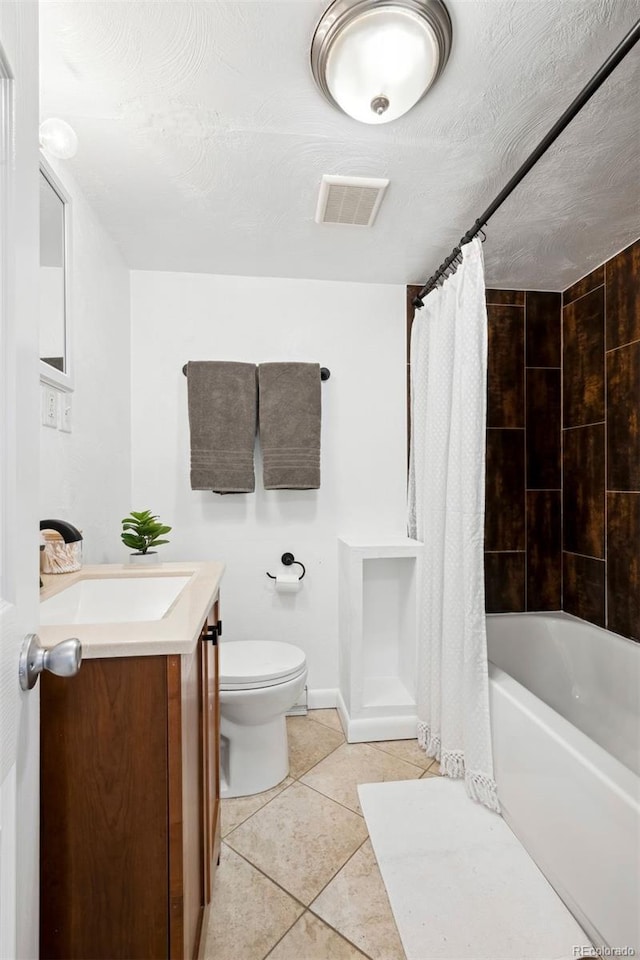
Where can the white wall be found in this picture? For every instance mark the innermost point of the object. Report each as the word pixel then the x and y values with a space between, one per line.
pixel 85 475
pixel 358 332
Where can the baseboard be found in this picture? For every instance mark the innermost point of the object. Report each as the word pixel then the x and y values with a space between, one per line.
pixel 322 699
pixel 368 729
pixel 343 713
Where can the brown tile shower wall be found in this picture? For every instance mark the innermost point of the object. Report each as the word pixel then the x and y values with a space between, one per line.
pixel 523 569
pixel 562 525
pixel 601 448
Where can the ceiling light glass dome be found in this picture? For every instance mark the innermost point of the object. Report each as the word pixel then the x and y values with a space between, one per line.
pixel 375 59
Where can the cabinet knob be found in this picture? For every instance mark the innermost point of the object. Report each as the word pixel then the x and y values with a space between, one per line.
pixel 64 659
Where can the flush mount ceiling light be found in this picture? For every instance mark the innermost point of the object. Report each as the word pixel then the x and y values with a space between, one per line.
pixel 374 59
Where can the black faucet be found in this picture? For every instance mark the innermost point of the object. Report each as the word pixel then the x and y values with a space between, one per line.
pixel 67 531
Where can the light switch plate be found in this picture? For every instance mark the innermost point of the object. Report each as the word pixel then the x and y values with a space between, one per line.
pixel 49 407
pixel 65 413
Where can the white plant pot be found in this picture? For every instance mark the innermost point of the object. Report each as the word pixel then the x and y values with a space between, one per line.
pixel 144 559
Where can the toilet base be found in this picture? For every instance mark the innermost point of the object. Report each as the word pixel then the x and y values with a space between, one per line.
pixel 253 758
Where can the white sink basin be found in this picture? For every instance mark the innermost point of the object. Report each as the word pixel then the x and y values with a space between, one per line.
pixel 113 600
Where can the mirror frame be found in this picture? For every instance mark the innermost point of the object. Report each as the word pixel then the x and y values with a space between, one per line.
pixel 49 374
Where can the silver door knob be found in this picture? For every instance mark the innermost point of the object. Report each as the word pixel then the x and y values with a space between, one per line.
pixel 64 659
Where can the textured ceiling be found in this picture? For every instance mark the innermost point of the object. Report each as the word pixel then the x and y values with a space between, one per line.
pixel 203 139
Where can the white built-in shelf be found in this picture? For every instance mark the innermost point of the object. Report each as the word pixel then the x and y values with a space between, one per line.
pixel 378 621
pixel 386 546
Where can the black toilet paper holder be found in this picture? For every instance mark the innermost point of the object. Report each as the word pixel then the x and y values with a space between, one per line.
pixel 288 559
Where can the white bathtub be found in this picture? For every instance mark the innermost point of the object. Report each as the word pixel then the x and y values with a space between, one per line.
pixel 565 724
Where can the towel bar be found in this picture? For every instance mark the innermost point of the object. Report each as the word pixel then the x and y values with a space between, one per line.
pixel 325 373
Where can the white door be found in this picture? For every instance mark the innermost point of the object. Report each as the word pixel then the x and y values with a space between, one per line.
pixel 19 433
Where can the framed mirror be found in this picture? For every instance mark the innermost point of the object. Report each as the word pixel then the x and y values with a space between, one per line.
pixel 55 299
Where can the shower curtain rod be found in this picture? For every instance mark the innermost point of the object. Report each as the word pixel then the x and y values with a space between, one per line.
pixel 572 110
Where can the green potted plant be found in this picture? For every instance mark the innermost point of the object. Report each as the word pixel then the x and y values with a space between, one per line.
pixel 141 531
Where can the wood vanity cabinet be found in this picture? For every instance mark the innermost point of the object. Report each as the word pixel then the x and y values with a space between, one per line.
pixel 130 824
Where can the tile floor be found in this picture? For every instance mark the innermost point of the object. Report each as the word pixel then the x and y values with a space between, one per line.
pixel 298 879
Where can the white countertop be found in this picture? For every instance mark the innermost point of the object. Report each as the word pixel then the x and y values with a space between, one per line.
pixel 176 633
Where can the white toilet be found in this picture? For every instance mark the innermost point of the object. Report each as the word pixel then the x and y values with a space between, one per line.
pixel 260 680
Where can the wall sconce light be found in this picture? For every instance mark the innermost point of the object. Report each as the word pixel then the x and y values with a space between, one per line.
pixel 58 138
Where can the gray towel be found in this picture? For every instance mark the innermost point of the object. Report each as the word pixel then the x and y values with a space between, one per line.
pixel 290 425
pixel 222 420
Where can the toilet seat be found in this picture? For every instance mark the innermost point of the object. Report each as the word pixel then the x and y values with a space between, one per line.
pixel 252 664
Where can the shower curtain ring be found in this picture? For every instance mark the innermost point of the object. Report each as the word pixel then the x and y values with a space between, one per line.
pixel 483 235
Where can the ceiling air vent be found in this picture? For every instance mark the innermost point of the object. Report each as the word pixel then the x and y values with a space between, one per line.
pixel 352 200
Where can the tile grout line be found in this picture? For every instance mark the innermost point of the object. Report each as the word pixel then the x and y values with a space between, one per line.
pixel 348 939
pixel 266 804
pixel 582 295
pixel 333 800
pixel 385 893
pixel 287 931
pixel 365 743
pixel 505 551
pixel 388 753
pixel 350 809
pixel 288 777
pixel 581 426
pixel 620 346
pixel 313 766
pixel 348 860
pixel 306 907
pixel 322 723
pixel 544 489
pixel 302 784
pixel 335 929
pixel 292 896
pixel 344 936
pixel 326 725
pixel 586 556
pixel 284 790
pixel 322 920
pixel 345 742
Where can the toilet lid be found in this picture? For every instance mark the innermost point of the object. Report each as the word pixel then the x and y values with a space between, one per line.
pixel 258 661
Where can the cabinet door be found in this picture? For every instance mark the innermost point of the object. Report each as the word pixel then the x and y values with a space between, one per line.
pixel 104 831
pixel 211 748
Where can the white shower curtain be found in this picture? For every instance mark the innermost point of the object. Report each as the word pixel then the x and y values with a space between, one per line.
pixel 446 512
